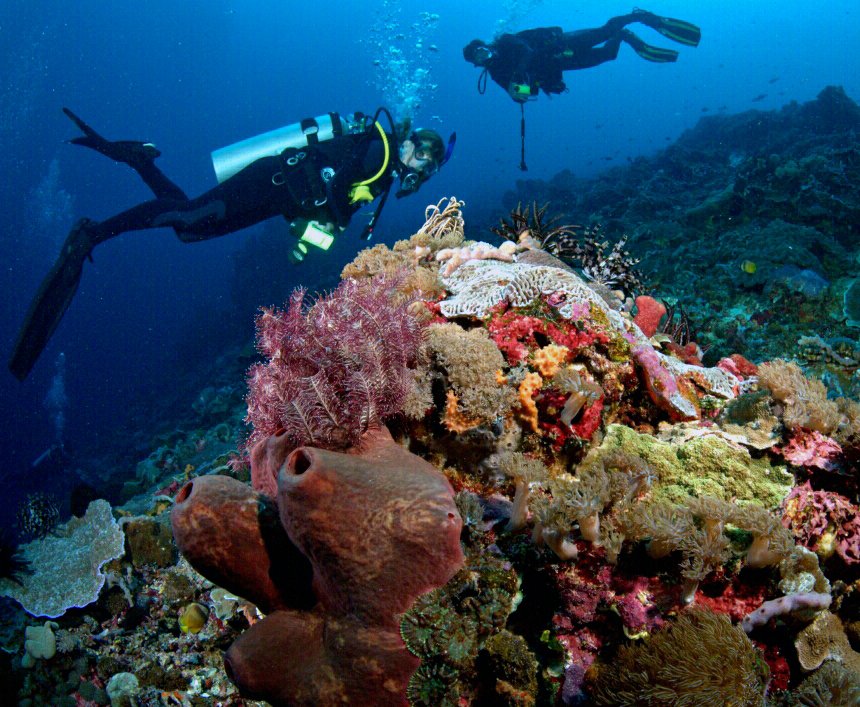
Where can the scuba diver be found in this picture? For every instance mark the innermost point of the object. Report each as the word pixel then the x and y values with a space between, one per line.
pixel 316 174
pixel 533 60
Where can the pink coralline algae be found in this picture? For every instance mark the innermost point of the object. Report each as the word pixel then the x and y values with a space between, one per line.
pixel 334 370
pixel 810 448
pixel 662 385
pixel 823 521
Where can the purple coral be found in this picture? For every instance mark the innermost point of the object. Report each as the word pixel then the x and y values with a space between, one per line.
pixel 334 369
pixel 823 521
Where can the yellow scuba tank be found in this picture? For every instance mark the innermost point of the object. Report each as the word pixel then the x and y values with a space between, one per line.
pixel 232 158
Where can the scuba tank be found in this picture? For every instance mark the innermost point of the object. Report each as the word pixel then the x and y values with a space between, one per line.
pixel 229 160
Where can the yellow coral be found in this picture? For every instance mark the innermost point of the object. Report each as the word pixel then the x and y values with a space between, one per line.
pixel 530 384
pixel 549 359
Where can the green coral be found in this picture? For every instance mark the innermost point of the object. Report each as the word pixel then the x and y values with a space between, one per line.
pixel 513 667
pixel 702 466
pixel 434 684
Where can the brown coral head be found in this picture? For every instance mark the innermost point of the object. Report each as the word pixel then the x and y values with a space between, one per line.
pixel 379 526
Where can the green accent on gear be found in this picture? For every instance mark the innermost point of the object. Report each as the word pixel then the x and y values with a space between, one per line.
pixel 656 54
pixel 679 31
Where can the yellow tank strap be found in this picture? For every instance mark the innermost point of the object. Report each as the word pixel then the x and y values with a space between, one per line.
pixel 360 191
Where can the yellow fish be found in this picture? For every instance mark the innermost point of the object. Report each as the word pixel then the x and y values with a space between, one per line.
pixel 749 267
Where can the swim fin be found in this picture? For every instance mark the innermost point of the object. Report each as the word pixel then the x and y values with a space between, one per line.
pixel 52 300
pixel 130 152
pixel 647 51
pixel 676 30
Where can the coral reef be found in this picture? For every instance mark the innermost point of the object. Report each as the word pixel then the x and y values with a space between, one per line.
pixel 566 471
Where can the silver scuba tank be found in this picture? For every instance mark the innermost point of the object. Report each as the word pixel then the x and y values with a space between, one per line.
pixel 229 160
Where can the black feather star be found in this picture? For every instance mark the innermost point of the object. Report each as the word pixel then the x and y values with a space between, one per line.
pixel 12 565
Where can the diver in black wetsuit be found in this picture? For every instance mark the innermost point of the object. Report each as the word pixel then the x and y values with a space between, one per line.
pixel 317 188
pixel 528 62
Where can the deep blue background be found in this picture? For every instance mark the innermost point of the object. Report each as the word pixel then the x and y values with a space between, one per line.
pixel 195 75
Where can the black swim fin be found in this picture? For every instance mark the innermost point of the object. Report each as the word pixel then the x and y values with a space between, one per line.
pixel 676 30
pixel 52 300
pixel 647 51
pixel 130 152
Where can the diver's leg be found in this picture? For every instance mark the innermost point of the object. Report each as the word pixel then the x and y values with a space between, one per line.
pixel 586 57
pixel 584 38
pixel 58 288
pixel 247 198
pixel 140 156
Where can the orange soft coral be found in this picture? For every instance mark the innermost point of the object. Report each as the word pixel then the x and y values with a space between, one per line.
pixel 528 408
pixel 549 359
pixel 455 420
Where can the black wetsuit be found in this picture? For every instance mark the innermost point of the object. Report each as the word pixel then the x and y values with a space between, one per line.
pixel 288 185
pixel 537 57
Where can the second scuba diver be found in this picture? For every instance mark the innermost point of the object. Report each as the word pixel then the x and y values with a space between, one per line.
pixel 316 174
pixel 533 60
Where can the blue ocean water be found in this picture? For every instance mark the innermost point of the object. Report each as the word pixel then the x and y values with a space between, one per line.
pixel 195 76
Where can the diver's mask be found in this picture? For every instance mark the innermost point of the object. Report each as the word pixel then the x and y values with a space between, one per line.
pixel 482 55
pixel 420 165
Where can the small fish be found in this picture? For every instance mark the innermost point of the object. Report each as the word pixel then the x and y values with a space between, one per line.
pixel 705 109
pixel 749 267
pixel 759 97
pixel 774 79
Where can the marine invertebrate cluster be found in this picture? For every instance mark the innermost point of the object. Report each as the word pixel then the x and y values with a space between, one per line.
pixel 334 369
pixel 470 362
pixel 823 521
pixel 805 400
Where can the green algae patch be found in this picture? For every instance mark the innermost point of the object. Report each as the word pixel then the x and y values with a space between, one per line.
pixel 702 466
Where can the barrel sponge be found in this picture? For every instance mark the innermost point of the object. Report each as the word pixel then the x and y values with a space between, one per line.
pixel 66 567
